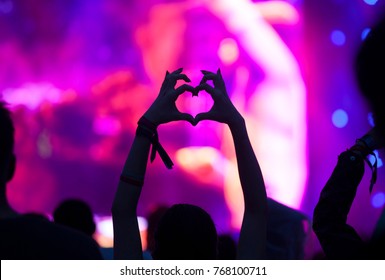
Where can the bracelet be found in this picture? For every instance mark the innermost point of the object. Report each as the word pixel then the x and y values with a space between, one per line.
pixel 148 129
pixel 362 149
pixel 131 180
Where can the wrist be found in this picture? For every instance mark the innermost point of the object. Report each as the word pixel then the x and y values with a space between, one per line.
pixel 237 123
pixel 148 129
pixel 366 144
pixel 151 119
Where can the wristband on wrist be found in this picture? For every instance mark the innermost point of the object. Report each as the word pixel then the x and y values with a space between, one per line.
pixel 363 149
pixel 148 129
pixel 373 167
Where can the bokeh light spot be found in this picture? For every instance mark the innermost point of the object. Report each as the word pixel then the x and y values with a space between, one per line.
pixel 338 37
pixel 371 2
pixel 228 51
pixel 372 159
pixel 340 118
pixel 371 119
pixel 378 200
pixel 365 33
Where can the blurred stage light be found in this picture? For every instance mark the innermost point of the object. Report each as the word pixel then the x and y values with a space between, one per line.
pixel 228 51
pixel 107 125
pixel 340 118
pixel 372 159
pixel 365 33
pixel 371 119
pixel 32 95
pixel 378 200
pixel 338 37
pixel 371 2
pixel 105 233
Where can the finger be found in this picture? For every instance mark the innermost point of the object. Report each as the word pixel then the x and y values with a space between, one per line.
pixel 173 78
pixel 220 78
pixel 185 117
pixel 209 76
pixel 206 87
pixel 183 77
pixel 177 71
pixel 205 72
pixel 164 83
pixel 203 116
pixel 184 88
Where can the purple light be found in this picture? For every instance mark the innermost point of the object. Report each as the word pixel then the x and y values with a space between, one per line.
pixel 372 159
pixel 378 200
pixel 340 118
pixel 371 2
pixel 365 33
pixel 371 119
pixel 6 7
pixel 338 37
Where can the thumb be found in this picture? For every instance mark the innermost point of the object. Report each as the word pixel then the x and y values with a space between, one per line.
pixel 186 117
pixel 202 117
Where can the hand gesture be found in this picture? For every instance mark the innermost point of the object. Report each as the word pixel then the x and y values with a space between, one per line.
pixel 163 109
pixel 223 109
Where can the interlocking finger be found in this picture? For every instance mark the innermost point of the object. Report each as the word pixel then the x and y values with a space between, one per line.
pixel 184 88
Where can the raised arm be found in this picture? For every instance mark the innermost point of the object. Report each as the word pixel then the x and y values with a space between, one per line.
pixel 127 243
pixel 338 239
pixel 252 240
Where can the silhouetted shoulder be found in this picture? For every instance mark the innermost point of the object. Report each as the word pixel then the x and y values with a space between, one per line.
pixel 33 237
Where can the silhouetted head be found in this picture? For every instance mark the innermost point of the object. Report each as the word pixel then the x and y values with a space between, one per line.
pixel 185 232
pixel 7 142
pixel 153 220
pixel 75 214
pixel 370 71
pixel 227 247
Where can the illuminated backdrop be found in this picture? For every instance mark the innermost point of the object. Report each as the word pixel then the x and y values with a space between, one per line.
pixel 79 74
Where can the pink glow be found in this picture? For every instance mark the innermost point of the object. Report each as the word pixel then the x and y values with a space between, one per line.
pixel 278 12
pixel 228 51
pixel 32 95
pixel 110 72
pixel 205 162
pixel 107 125
pixel 275 113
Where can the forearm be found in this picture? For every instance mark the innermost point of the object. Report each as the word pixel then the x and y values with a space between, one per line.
pixel 127 243
pixel 338 239
pixel 250 174
pixel 252 240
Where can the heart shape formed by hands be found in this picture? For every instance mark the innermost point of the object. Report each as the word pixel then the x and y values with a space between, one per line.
pixel 222 109
pixel 194 103
pixel 219 108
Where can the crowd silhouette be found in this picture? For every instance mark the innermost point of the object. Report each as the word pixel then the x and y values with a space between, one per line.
pixel 32 235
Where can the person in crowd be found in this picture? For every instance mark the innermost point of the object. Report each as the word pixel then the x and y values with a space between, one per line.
pixel 187 231
pixel 227 247
pixel 32 236
pixel 76 214
pixel 153 218
pixel 338 239
pixel 288 231
pixel 370 73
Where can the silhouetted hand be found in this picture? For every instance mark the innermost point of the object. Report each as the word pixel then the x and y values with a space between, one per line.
pixel 223 109
pixel 163 109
